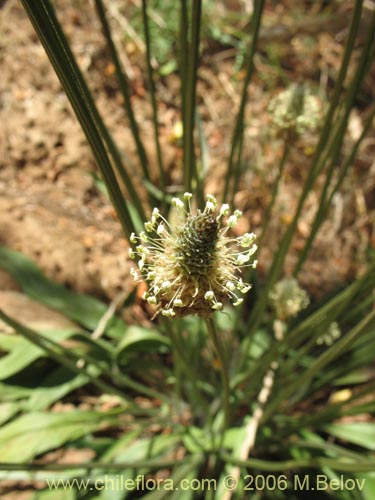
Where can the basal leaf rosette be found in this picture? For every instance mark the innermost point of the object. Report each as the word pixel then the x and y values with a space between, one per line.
pixel 194 268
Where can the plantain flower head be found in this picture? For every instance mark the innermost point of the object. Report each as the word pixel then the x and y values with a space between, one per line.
pixel 331 335
pixel 296 110
pixel 196 267
pixel 288 298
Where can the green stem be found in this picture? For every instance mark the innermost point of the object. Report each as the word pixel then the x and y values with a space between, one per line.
pixel 189 88
pixel 124 87
pixel 52 37
pixel 321 362
pixel 202 166
pixel 185 366
pixel 183 48
pixel 152 463
pixel 267 216
pixel 237 169
pixel 324 202
pixel 296 337
pixel 239 127
pixel 274 272
pixel 327 414
pixel 152 95
pixel 308 463
pixel 224 372
pixel 63 356
pixel 93 368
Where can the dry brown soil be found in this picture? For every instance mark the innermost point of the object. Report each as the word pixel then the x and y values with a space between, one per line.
pixel 51 209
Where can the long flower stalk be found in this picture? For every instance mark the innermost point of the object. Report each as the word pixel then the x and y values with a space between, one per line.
pixel 224 373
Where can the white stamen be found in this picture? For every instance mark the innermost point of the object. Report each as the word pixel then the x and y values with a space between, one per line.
pixel 210 207
pixel 143 236
pixel 242 258
pixel 134 273
pixel 232 221
pixel 149 226
pixel 252 250
pixel 168 312
pixel 211 199
pixel 176 202
pixel 224 210
pixel 247 239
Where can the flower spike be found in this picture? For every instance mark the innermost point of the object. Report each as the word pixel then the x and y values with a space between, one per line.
pixel 195 268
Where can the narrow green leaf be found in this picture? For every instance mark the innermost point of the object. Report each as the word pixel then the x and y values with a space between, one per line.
pixel 305 329
pixel 315 169
pixel 359 376
pixel 25 353
pixel 8 409
pixel 134 450
pixel 189 88
pixel 65 357
pixel 151 464
pixel 152 91
pixel 121 444
pixel 368 485
pixel 84 309
pixel 55 494
pixel 275 189
pixel 137 218
pixel 187 472
pixel 58 384
pixel 335 148
pixel 11 393
pixel 308 463
pixel 183 49
pixel 30 435
pixel 328 413
pixel 321 362
pixel 359 433
pixel 52 37
pixel 232 170
pixel 313 441
pixel 125 90
pixel 202 168
pixel 141 339
pixel 197 440
pixel 157 193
